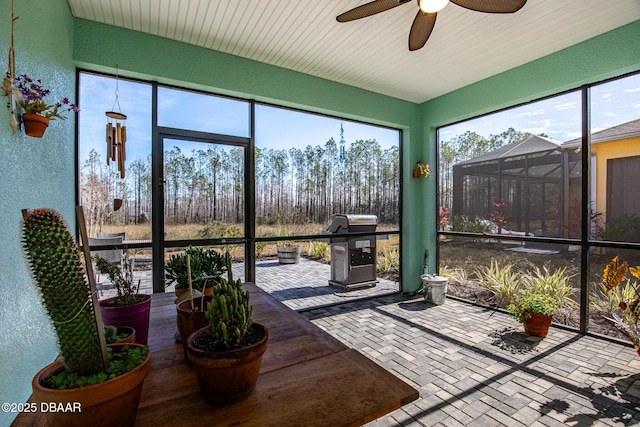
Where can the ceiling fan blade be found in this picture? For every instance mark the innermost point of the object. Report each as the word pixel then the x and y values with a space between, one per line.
pixel 491 6
pixel 421 29
pixel 369 9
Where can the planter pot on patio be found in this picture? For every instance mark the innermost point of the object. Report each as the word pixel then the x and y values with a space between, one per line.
pixel 538 325
pixel 288 254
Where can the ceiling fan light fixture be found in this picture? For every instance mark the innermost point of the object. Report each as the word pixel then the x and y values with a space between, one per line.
pixel 432 6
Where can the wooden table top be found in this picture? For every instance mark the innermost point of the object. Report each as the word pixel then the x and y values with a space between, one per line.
pixel 307 377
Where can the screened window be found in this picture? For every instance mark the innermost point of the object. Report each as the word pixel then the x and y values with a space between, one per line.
pixel 513 200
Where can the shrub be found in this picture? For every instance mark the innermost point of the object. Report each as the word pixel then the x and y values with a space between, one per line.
pixel 389 261
pixel 556 284
pixel 218 229
pixel 503 282
pixel 464 224
pixel 623 229
pixel 260 247
pixel 455 275
pixel 320 250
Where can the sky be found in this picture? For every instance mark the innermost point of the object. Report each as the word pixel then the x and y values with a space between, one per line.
pixel 612 103
pixel 558 117
pixel 275 127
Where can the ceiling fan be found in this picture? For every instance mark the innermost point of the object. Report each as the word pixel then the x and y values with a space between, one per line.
pixel 425 20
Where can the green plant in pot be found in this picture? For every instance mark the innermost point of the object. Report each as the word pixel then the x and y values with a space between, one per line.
pixel 227 353
pixel 205 265
pixel 128 308
pixel 535 312
pixel 119 334
pixel 542 295
pixel 105 382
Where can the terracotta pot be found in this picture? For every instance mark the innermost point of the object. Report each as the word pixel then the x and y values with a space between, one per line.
pixel 34 124
pixel 113 402
pixel 190 320
pixel 538 325
pixel 227 377
pixel 131 337
pixel 135 315
pixel 207 291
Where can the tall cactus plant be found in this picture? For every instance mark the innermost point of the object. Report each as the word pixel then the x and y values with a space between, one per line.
pixel 56 268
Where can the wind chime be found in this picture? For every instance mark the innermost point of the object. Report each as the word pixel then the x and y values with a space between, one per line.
pixel 116 135
pixel 342 153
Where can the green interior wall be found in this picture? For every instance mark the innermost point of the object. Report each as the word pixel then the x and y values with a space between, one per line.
pixel 34 173
pixel 609 55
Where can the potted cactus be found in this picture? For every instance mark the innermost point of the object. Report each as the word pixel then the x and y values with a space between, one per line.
pixel 119 334
pixel 93 386
pixel 227 353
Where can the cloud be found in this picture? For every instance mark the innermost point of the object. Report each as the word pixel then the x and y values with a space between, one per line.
pixel 565 106
pixel 538 112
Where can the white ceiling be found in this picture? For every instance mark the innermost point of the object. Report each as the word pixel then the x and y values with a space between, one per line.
pixel 370 53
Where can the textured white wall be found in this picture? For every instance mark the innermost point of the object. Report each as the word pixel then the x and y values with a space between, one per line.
pixel 33 173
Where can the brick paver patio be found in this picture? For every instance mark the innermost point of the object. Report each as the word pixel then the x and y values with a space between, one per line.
pixel 476 367
pixel 473 366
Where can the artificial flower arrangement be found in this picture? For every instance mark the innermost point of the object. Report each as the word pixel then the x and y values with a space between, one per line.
pixel 422 169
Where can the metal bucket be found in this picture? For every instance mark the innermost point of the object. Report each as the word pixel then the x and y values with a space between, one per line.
pixel 435 288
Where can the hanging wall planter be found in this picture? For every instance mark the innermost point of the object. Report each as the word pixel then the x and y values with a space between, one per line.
pixel 34 124
pixel 422 169
pixel 29 94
